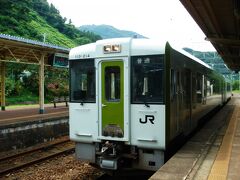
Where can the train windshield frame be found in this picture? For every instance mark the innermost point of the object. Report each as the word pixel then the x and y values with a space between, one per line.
pixel 82 81
pixel 147 79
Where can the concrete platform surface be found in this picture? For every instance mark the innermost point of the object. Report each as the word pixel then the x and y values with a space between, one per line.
pixel 31 114
pixel 212 153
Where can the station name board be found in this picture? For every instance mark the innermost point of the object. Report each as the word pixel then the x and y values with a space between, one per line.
pixel 59 60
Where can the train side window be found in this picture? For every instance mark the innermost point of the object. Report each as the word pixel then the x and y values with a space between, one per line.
pixel 200 88
pixel 147 79
pixel 194 90
pixel 82 84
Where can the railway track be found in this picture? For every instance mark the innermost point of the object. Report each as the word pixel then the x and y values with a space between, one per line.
pixel 35 155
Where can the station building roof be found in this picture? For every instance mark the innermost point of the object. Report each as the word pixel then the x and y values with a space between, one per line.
pixel 220 21
pixel 21 50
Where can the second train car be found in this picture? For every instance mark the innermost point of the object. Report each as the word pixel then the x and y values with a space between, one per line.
pixel 131 98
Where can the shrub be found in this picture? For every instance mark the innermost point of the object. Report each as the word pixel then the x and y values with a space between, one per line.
pixel 9 86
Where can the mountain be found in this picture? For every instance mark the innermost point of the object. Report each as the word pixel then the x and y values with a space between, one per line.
pixel 106 31
pixel 34 19
pixel 212 59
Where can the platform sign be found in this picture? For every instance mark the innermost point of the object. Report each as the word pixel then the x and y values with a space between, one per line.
pixel 60 60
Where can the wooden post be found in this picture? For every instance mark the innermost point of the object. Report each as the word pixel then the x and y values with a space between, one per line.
pixel 41 85
pixel 2 86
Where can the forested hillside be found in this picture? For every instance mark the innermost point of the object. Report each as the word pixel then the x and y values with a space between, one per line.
pixel 212 59
pixel 34 18
pixel 106 31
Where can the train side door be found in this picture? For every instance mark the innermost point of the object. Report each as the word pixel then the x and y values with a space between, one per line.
pixel 179 93
pixel 112 99
pixel 176 103
pixel 174 116
pixel 186 95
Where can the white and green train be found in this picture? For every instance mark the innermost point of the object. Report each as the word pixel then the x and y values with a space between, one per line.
pixel 132 99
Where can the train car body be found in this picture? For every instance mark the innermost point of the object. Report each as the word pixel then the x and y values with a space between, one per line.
pixel 130 99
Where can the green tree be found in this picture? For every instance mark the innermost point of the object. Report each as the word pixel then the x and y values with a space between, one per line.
pixel 17 18
pixel 235 85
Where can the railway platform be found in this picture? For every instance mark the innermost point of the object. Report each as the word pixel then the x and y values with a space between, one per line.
pixel 25 127
pixel 212 153
pixel 17 115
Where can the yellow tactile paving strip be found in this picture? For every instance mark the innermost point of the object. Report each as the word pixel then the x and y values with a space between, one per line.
pixel 220 166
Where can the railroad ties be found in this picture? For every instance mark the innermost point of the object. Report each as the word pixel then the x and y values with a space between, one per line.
pixel 31 156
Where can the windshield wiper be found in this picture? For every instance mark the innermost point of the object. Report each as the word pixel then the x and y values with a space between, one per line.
pixel 145 102
pixel 81 103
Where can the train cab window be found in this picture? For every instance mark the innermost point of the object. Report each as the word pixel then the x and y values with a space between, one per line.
pixel 147 79
pixel 82 84
pixel 112 83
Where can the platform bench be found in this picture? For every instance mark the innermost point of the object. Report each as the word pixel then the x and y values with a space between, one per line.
pixel 60 100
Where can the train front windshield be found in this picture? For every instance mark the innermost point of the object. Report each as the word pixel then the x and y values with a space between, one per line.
pixel 147 79
pixel 82 84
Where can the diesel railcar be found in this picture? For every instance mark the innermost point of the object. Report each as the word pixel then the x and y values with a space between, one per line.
pixel 130 99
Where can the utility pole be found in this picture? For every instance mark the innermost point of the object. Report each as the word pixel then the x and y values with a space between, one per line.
pixel 44 37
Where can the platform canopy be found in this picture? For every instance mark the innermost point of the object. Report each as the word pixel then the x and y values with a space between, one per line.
pixel 220 21
pixel 20 50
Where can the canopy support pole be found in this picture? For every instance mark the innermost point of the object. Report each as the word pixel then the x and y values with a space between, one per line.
pixel 41 84
pixel 2 85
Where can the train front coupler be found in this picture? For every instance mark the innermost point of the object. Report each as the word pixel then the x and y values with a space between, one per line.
pixel 110 155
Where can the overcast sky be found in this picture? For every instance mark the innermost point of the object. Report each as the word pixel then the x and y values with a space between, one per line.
pixel 156 19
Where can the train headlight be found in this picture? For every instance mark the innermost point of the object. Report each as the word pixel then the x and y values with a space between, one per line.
pixel 116 48
pixel 107 48
pixel 112 48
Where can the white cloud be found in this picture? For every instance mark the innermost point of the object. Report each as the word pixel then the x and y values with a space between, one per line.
pixel 156 19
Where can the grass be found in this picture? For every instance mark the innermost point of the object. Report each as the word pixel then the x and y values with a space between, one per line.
pixel 20 106
pixel 24 100
pixel 29 106
pixel 21 103
pixel 236 91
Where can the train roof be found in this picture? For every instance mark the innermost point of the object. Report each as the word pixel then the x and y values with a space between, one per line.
pixel 185 53
pixel 141 46
pixel 137 47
